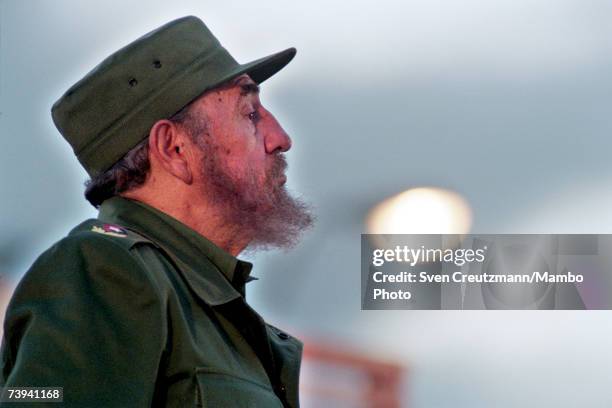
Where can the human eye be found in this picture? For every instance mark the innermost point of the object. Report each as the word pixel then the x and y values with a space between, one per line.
pixel 254 116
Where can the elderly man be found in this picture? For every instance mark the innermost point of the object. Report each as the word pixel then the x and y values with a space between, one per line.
pixel 145 305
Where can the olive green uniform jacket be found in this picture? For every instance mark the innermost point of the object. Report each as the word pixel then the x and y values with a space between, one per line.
pixel 135 309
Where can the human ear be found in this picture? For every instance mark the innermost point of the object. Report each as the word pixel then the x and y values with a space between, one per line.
pixel 167 148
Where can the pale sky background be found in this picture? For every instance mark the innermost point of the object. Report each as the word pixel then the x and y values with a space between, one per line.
pixel 505 102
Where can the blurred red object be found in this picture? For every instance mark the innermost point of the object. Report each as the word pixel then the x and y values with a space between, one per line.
pixel 334 377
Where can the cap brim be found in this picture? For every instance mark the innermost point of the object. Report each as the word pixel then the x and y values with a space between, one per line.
pixel 263 68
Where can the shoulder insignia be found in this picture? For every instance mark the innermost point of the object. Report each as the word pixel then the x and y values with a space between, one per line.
pixel 110 229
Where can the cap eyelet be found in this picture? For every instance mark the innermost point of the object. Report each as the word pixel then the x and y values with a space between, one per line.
pixel 133 82
pixel 157 64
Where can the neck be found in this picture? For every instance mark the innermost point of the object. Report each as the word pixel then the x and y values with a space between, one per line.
pixel 202 217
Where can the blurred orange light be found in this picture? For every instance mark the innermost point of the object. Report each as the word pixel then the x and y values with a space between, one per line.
pixel 422 210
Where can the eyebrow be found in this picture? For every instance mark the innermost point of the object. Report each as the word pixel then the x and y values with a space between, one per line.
pixel 249 88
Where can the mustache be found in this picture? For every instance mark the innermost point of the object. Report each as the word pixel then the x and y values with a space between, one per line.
pixel 279 165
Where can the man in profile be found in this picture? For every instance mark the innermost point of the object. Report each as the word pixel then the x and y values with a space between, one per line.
pixel 145 305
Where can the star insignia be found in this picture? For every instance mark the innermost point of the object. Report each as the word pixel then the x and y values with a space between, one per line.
pixel 110 229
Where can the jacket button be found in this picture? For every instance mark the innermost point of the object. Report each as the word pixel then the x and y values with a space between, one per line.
pixel 283 336
pixel 280 390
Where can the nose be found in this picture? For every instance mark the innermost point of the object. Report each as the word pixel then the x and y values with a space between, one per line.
pixel 276 139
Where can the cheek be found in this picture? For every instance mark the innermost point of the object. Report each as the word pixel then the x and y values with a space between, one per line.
pixel 245 149
pixel 242 138
pixel 240 149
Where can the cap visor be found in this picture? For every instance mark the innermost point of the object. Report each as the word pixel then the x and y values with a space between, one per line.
pixel 263 68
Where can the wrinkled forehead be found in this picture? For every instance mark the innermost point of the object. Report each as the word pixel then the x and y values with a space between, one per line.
pixel 242 82
pixel 241 91
pixel 241 87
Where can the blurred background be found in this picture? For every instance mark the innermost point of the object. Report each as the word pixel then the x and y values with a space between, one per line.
pixel 505 103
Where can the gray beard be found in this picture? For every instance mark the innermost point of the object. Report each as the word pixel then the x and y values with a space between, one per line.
pixel 268 214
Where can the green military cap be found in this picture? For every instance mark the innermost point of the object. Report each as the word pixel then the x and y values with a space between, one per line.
pixel 113 107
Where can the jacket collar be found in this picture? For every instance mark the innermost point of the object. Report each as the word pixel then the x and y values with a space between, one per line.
pixel 215 275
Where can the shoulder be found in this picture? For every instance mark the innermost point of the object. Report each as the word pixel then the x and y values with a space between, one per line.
pixel 92 255
pixel 90 244
pixel 96 231
pixel 84 274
